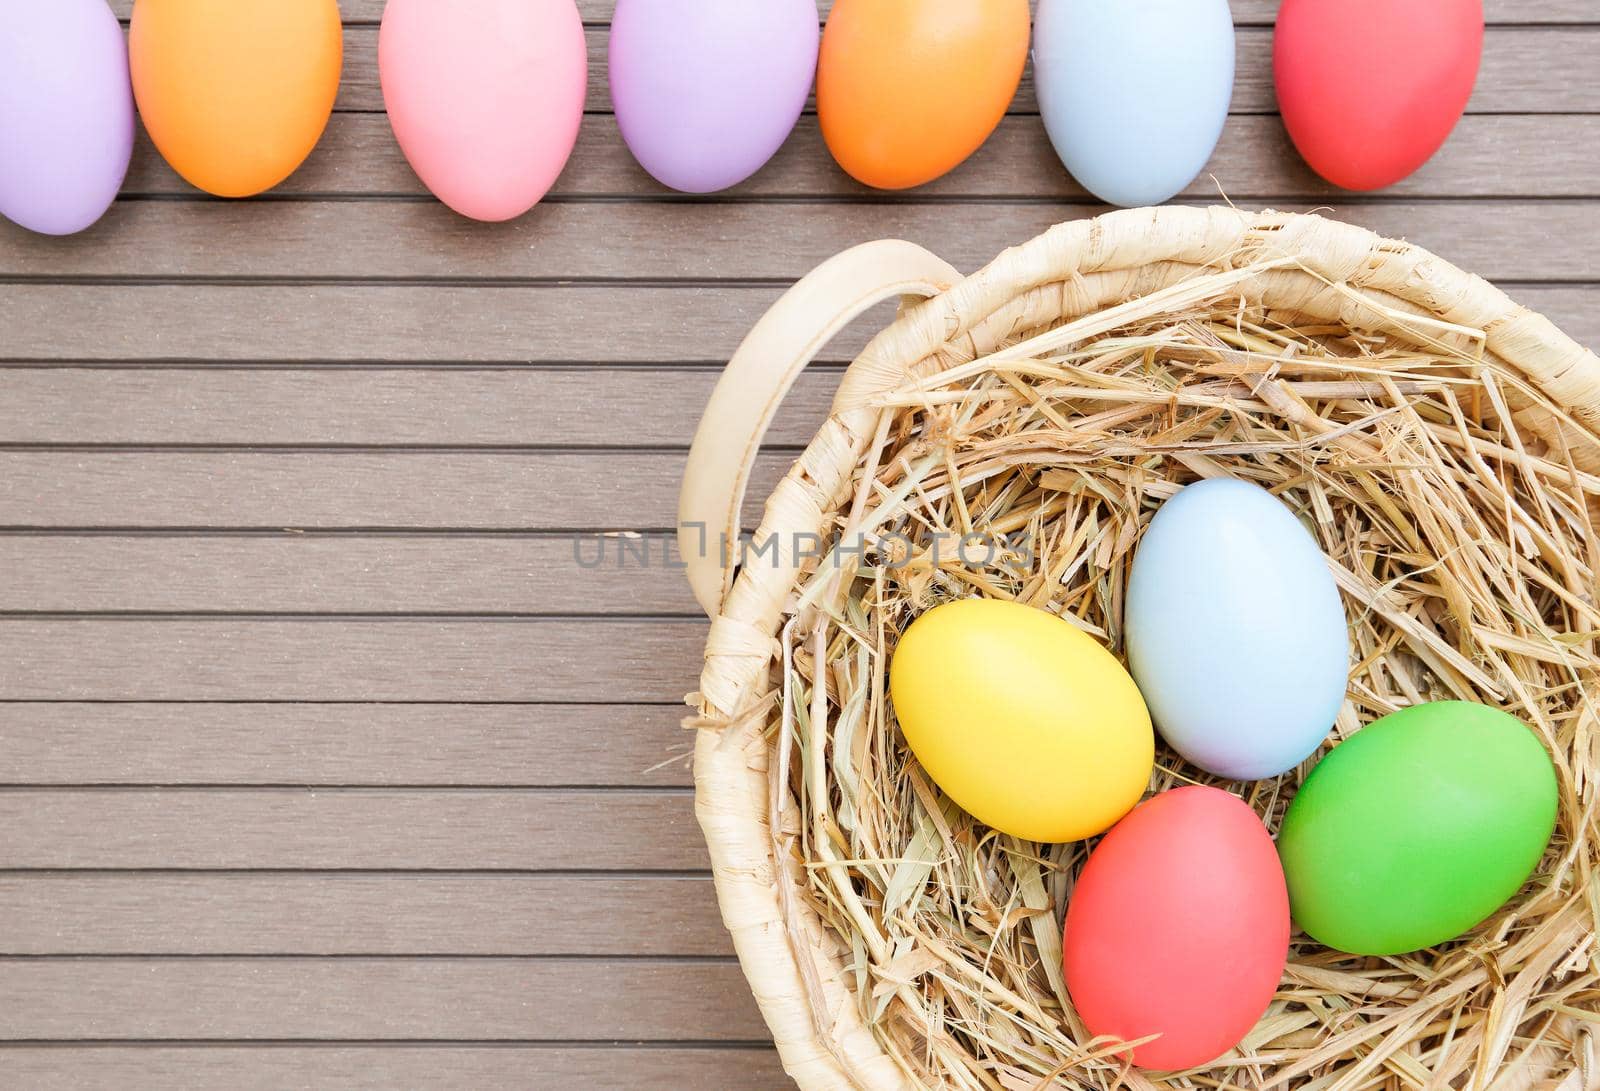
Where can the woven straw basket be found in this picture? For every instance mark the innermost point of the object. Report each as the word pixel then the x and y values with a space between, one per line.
pixel 1442 444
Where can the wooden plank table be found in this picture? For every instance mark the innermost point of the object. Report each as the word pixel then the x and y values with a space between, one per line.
pixel 323 759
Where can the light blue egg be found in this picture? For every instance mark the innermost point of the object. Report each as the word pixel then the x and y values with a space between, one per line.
pixel 1134 93
pixel 1235 631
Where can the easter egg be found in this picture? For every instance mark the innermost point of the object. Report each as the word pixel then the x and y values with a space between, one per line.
pixel 706 91
pixel 1027 722
pixel 1235 631
pixel 1178 926
pixel 66 113
pixel 1370 89
pixel 908 89
pixel 1134 95
pixel 235 93
pixel 485 97
pixel 1417 828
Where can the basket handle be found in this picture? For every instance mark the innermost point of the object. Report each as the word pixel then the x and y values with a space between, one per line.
pixel 746 398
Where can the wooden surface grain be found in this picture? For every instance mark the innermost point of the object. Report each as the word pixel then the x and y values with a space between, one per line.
pixel 458 573
pixel 1525 68
pixel 251 913
pixel 344 829
pixel 359 158
pixel 518 490
pixel 216 1066
pixel 441 325
pixel 242 658
pixel 374 407
pixel 342 646
pixel 1246 12
pixel 646 240
pixel 290 998
pixel 312 744
pixel 1517 62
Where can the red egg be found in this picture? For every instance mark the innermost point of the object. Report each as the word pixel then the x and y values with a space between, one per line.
pixel 1178 926
pixel 1370 89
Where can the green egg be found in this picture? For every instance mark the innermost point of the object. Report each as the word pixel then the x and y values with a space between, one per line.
pixel 1417 829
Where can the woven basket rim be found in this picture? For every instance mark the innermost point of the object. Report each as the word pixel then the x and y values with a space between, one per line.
pixel 1113 257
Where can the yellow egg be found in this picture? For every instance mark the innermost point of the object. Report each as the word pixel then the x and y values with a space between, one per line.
pixel 1028 723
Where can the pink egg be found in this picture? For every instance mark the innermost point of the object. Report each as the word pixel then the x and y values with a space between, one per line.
pixel 485 97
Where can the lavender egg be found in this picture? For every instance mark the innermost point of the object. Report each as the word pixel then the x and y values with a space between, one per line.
pixel 706 91
pixel 66 113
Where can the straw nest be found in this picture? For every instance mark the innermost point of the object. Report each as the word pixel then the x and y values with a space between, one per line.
pixel 1441 446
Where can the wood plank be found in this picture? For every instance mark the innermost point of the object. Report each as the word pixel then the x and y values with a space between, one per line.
pixel 1245 12
pixel 1524 70
pixel 536 490
pixel 380 1068
pixel 322 323
pixel 349 829
pixel 1488 155
pixel 663 241
pixel 473 575
pixel 375 999
pixel 344 915
pixel 358 407
pixel 429 323
pixel 310 745
pixel 247 659
pixel 462 575
pixel 1250 12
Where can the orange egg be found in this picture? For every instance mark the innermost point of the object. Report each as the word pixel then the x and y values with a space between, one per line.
pixel 907 89
pixel 235 93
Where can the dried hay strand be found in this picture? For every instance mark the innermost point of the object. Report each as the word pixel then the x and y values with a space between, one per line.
pixel 1457 503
